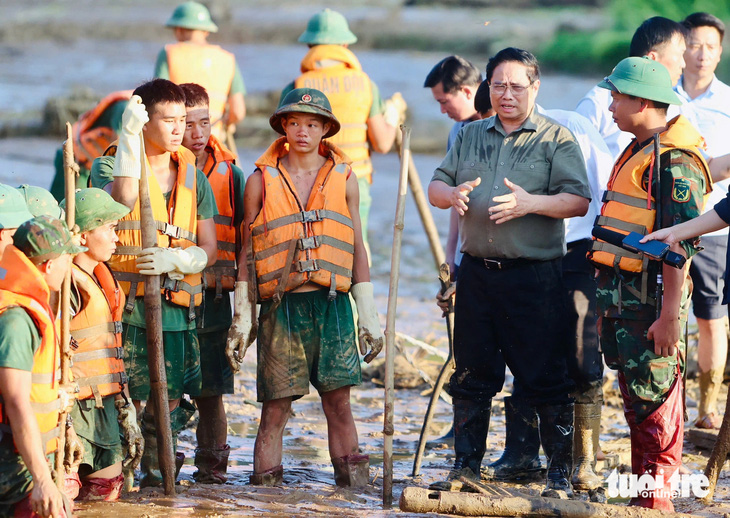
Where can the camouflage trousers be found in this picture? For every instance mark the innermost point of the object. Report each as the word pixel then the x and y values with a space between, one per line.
pixel 649 377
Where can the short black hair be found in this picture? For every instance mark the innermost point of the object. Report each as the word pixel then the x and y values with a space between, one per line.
pixel 654 33
pixel 482 101
pixel 514 54
pixel 159 91
pixel 453 72
pixel 695 20
pixel 195 95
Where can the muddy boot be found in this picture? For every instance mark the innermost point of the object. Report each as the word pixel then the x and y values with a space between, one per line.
pixel 352 470
pixel 521 456
pixel 149 467
pixel 710 383
pixel 270 477
pixel 445 440
pixel 471 425
pixel 587 419
pixel 179 418
pixel 212 464
pixel 556 435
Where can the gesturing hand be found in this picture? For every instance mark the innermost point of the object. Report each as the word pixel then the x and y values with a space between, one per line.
pixel 511 206
pixel 460 195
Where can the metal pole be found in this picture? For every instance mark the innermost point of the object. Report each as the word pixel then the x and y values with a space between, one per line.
pixel 155 350
pixel 400 209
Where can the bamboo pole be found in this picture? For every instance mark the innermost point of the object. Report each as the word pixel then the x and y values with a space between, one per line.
pixel 69 171
pixel 400 210
pixel 424 211
pixel 155 350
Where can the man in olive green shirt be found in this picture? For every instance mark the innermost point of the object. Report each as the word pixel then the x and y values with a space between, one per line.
pixel 513 178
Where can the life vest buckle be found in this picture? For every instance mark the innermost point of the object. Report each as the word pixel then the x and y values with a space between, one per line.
pixel 172 231
pixel 117 327
pixel 311 216
pixel 170 284
pixel 312 265
pixel 308 243
pixel 119 353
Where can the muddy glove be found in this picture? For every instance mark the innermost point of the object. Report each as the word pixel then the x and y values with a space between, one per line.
pixel 176 262
pixel 395 110
pixel 240 332
pixel 128 159
pixel 74 449
pixel 368 324
pixel 67 397
pixel 127 418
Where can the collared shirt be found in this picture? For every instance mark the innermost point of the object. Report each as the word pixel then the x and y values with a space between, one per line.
pixel 594 107
pixel 599 163
pixel 709 112
pixel 541 156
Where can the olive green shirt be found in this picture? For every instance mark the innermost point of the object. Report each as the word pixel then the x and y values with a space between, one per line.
pixel 541 156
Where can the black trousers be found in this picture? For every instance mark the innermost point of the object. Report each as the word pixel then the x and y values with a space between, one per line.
pixel 585 363
pixel 515 317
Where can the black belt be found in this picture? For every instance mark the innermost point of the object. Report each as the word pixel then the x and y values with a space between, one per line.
pixel 506 264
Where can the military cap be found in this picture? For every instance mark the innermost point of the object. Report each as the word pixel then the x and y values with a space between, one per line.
pixel 43 238
pixel 305 100
pixel 192 15
pixel 327 27
pixel 13 209
pixel 95 207
pixel 40 201
pixel 642 77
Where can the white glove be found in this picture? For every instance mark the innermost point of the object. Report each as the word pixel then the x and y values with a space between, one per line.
pixel 128 159
pixel 368 324
pixel 395 110
pixel 127 418
pixel 240 332
pixel 177 262
pixel 67 397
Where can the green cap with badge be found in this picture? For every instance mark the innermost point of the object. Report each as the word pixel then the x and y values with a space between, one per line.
pixel 327 27
pixel 13 209
pixel 305 100
pixel 641 77
pixel 40 201
pixel 43 238
pixel 95 207
pixel 192 15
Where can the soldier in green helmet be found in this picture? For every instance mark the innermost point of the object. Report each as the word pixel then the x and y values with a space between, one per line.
pixel 13 212
pixel 40 202
pixel 306 255
pixel 193 60
pixel 644 342
pixel 368 122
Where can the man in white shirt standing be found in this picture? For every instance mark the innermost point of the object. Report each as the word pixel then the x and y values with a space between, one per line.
pixel 658 38
pixel 707 105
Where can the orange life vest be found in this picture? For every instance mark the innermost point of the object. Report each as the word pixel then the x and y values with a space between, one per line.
pixel 98 365
pixel 209 66
pixel 177 226
pixel 629 206
pixel 313 242
pixel 336 72
pixel 89 143
pixel 222 275
pixel 21 285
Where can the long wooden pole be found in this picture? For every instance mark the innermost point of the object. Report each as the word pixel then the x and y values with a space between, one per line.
pixel 69 172
pixel 400 211
pixel 155 350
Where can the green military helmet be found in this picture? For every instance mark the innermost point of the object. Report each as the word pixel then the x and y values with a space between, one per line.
pixel 95 207
pixel 40 201
pixel 642 77
pixel 192 15
pixel 305 100
pixel 44 238
pixel 327 27
pixel 13 209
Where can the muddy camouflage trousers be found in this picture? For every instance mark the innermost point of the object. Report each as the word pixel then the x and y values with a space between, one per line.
pixel 649 377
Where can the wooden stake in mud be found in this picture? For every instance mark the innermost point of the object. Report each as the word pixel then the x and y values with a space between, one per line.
pixel 155 354
pixel 70 169
pixel 718 455
pixel 424 211
pixel 400 211
pixel 449 365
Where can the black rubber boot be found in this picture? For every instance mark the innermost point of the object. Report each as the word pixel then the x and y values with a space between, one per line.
pixel 556 435
pixel 521 456
pixel 471 426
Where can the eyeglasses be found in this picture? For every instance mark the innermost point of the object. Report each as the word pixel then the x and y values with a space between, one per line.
pixel 501 88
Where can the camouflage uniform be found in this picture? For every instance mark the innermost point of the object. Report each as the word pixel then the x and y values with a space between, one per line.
pixel 623 321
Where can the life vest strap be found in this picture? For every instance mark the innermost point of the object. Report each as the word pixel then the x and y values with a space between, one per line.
pixel 626 226
pixel 164 227
pixel 223 220
pixel 600 246
pixel 44 408
pixel 46 378
pixel 111 352
pixel 631 201
pixel 54 433
pixel 225 246
pixel 102 379
pixel 308 216
pixel 307 243
pixel 88 332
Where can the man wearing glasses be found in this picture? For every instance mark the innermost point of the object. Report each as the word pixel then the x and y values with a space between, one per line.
pixel 512 178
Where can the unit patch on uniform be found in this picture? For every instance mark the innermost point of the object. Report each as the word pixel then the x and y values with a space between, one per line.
pixel 681 189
